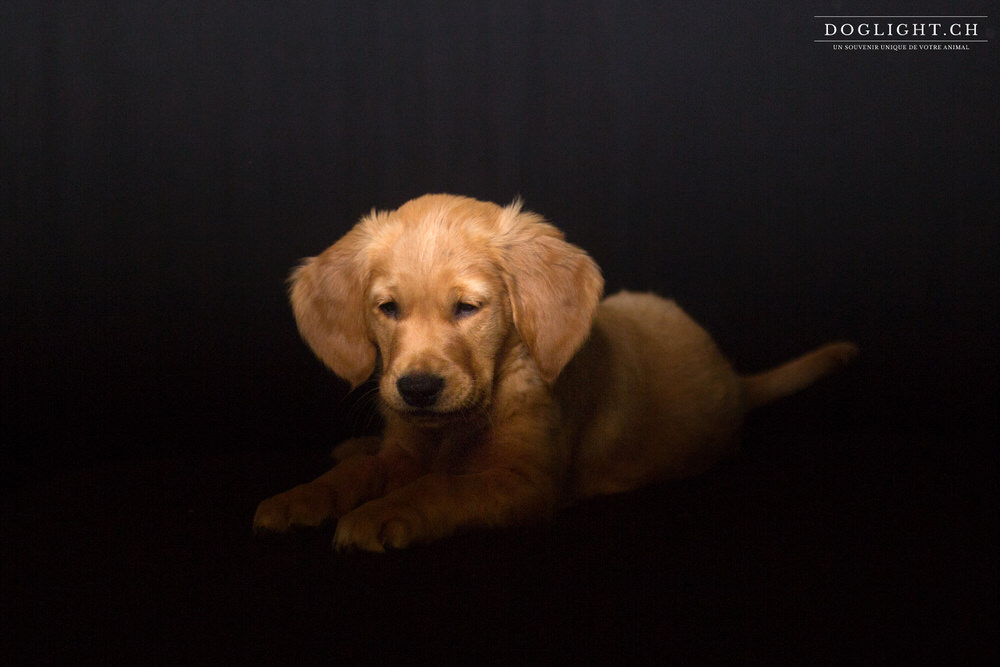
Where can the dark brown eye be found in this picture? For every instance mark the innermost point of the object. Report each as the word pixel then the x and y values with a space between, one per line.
pixel 390 309
pixel 464 309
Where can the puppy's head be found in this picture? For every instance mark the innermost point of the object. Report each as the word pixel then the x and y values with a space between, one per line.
pixel 443 288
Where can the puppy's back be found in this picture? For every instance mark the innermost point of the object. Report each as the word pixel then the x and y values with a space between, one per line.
pixel 648 397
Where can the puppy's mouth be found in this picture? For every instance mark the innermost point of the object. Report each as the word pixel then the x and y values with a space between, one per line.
pixel 427 398
pixel 431 417
pixel 438 414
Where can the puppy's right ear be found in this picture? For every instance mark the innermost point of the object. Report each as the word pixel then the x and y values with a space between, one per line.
pixel 328 298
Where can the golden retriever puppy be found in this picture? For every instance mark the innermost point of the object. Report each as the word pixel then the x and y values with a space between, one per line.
pixel 509 389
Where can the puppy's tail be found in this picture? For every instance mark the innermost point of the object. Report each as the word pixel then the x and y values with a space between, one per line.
pixel 797 374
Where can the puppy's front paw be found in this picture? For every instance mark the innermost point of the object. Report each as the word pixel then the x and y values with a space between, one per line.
pixel 378 526
pixel 305 505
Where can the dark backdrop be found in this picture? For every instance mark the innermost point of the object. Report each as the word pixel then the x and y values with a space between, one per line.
pixel 166 163
pixel 163 165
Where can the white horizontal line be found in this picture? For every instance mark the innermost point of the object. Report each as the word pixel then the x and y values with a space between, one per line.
pixel 903 41
pixel 946 16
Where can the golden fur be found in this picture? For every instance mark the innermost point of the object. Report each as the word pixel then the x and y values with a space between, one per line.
pixel 509 388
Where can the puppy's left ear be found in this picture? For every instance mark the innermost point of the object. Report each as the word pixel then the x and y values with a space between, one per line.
pixel 327 294
pixel 554 288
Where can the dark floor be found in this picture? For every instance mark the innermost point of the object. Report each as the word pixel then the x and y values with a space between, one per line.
pixel 843 548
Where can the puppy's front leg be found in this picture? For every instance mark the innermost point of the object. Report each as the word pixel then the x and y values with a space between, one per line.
pixel 437 505
pixel 348 484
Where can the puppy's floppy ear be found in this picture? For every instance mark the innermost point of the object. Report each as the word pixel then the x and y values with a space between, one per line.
pixel 554 288
pixel 328 298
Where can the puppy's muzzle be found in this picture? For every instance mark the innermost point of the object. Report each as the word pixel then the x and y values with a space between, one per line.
pixel 420 390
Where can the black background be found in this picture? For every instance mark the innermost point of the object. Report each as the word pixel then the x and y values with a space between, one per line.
pixel 165 164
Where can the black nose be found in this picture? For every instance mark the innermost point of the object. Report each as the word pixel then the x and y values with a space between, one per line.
pixel 421 390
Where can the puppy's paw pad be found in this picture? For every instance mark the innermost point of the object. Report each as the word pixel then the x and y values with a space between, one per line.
pixel 353 534
pixel 395 534
pixel 373 529
pixel 271 517
pixel 301 506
